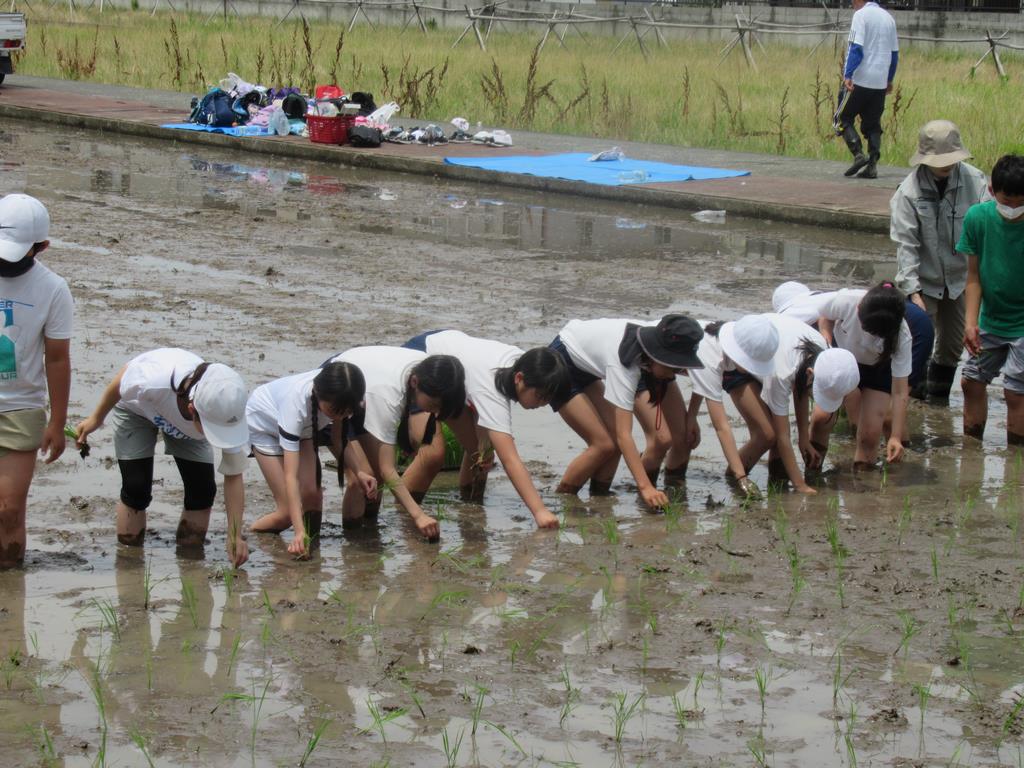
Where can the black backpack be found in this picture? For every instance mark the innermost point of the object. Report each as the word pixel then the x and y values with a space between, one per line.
pixel 365 102
pixel 214 109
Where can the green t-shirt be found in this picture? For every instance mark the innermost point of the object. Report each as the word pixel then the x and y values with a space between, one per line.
pixel 999 246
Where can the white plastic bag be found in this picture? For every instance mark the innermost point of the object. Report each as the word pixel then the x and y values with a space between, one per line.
pixel 710 217
pixel 606 155
pixel 460 123
pixel 234 84
pixel 383 114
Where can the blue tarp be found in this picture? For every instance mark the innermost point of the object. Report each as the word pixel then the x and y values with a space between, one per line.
pixel 575 166
pixel 241 130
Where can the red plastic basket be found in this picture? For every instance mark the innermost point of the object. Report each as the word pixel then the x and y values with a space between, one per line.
pixel 327 130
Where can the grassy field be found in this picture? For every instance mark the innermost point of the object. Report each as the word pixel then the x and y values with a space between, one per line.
pixel 681 95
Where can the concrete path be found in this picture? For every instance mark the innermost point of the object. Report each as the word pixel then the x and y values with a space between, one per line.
pixel 779 188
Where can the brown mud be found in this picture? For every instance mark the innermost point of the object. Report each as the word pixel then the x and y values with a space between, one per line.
pixel 877 623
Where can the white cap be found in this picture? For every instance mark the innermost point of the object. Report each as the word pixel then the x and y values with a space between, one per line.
pixel 835 376
pixel 23 223
pixel 751 343
pixel 219 399
pixel 784 296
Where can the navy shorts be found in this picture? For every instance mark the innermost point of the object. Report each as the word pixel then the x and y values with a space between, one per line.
pixel 733 380
pixel 578 379
pixel 351 428
pixel 419 343
pixel 879 375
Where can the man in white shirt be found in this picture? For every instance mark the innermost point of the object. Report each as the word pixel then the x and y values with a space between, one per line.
pixel 867 77
pixel 36 313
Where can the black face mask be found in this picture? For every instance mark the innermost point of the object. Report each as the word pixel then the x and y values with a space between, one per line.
pixel 16 268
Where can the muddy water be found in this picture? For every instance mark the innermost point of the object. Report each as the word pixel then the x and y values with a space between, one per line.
pixel 713 635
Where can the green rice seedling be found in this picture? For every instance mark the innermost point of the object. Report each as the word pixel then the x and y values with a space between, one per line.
pixel 935 563
pixel 229 579
pixel 923 693
pixel 851 750
pixel 698 682
pixel 380 719
pixel 139 740
pixel 147 583
pixel 797 580
pixel 572 696
pixel 9 668
pixel 234 653
pixel 610 527
pixel 954 759
pixel 314 739
pixel 909 627
pixel 451 748
pixel 188 595
pixel 149 670
pixel 673 514
pixel 478 706
pixel 94 682
pixel 255 700
pixel 762 678
pixel 267 605
pixel 839 679
pixel 728 529
pixel 720 637
pixel 623 711
pixel 47 751
pixel 782 525
pixel 512 739
pixel 903 523
pixel 108 616
pixel 1014 714
pixel 758 751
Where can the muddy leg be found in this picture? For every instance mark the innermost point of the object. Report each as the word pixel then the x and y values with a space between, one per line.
pixel 975 407
pixel 131 525
pixel 16 470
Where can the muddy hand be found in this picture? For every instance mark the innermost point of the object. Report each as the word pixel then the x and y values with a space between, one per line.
pixel 238 552
pixel 297 546
pixel 893 451
pixel 546 519
pixel 428 527
pixel 654 498
pixel 749 488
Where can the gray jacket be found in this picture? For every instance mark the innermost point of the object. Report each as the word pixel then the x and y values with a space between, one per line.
pixel 927 229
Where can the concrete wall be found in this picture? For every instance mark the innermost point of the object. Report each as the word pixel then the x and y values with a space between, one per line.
pixel 955 25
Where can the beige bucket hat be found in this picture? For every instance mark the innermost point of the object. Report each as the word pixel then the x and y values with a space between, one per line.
pixel 939 145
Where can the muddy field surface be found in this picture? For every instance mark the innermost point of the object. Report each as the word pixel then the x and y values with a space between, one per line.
pixel 877 623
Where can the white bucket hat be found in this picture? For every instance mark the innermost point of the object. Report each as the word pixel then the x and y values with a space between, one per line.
pixel 835 376
pixel 219 398
pixel 23 223
pixel 939 145
pixel 784 296
pixel 751 343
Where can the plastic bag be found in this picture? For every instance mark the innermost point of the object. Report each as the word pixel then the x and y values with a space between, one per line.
pixel 460 123
pixel 710 217
pixel 383 114
pixel 606 155
pixel 234 84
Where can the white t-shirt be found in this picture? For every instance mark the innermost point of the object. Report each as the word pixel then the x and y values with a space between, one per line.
pixel 386 370
pixel 481 358
pixel 707 381
pixel 593 346
pixel 36 306
pixel 874 30
pixel 867 349
pixel 283 408
pixel 147 391
pixel 807 308
pixel 777 390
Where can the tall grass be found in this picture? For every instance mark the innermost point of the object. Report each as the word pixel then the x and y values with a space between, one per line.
pixel 679 95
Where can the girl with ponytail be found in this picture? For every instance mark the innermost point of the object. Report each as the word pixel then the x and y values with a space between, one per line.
pixel 407 393
pixel 285 419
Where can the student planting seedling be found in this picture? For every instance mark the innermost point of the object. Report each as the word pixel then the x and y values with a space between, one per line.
pixel 34 361
pixel 284 418
pixel 993 240
pixel 496 376
pixel 196 407
pixel 618 368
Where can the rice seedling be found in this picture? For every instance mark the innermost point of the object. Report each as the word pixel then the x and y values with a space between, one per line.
pixel 149 670
pixel 909 627
pixel 851 750
pixel 673 514
pixel 451 748
pixel 762 678
pixel 9 667
pixel 267 606
pixel 188 595
pixel 935 563
pixel 139 740
pixel 758 750
pixel 839 555
pixel 478 706
pixel 610 528
pixel 94 682
pixel 256 701
pixel 1011 718
pixel 572 696
pixel 681 713
pixel 381 718
pixel 234 653
pixel 47 751
pixel 903 523
pixel 839 679
pixel 797 579
pixel 623 711
pixel 319 729
pixel 511 739
pixel 954 759
pixel 108 616
pixel 720 637
pixel 698 683
pixel 923 693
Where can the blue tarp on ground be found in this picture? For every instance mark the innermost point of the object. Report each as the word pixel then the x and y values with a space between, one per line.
pixel 575 166
pixel 241 130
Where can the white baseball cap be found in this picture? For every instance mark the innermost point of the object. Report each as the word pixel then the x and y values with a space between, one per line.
pixel 751 343
pixel 23 223
pixel 784 296
pixel 219 398
pixel 835 376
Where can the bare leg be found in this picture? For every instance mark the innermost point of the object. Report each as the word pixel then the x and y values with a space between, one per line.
pixel 131 525
pixel 279 520
pixel 585 420
pixel 975 407
pixel 755 413
pixel 667 439
pixel 429 458
pixel 16 470
pixel 874 406
pixel 1014 418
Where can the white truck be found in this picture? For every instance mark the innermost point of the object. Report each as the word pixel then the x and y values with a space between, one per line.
pixel 12 38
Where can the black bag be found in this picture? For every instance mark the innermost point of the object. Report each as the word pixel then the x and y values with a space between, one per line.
pixel 364 136
pixel 214 109
pixel 365 102
pixel 294 106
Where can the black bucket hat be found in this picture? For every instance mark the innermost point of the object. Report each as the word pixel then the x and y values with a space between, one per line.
pixel 672 342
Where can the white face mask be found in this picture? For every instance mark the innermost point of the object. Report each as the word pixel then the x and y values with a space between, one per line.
pixel 1009 213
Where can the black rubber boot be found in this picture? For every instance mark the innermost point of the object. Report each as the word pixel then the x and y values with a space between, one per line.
pixel 870 170
pixel 675 477
pixel 856 149
pixel 777 474
pixel 652 475
pixel 418 496
pixel 940 382
pixel 600 488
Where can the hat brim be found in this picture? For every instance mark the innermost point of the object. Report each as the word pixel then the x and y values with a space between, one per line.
pixel 226 436
pixel 940 161
pixel 647 336
pixel 12 251
pixel 823 401
pixel 727 337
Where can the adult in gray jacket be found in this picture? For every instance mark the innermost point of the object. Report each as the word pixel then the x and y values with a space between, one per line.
pixel 927 213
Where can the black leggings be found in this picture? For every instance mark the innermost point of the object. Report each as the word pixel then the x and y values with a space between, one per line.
pixel 137 483
pixel 869 103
